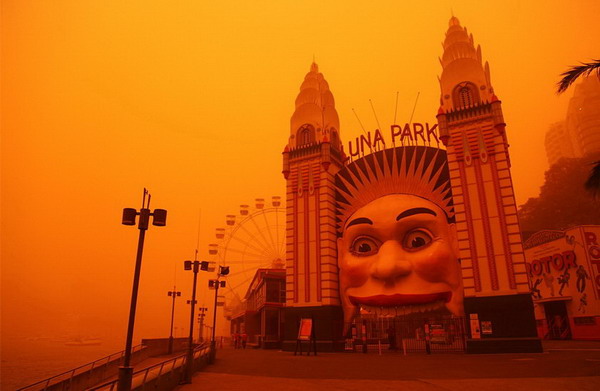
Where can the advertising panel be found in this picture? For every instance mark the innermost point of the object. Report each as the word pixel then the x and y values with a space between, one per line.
pixel 564 278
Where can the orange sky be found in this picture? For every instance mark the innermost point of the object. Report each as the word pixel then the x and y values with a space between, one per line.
pixel 192 100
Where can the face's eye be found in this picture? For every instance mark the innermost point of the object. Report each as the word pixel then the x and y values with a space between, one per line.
pixel 364 246
pixel 416 240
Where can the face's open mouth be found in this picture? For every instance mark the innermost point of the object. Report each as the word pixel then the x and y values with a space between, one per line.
pixel 401 304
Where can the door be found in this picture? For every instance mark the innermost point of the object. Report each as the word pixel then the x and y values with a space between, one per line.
pixel 558 320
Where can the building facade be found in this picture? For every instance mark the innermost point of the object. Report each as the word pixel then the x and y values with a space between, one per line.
pixel 492 262
pixel 564 277
pixel 472 127
pixel 261 316
pixel 579 134
pixel 311 158
pixel 560 143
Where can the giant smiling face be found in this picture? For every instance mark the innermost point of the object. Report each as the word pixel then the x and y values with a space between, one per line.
pixel 399 255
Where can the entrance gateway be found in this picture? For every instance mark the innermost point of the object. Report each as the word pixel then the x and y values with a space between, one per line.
pixel 376 238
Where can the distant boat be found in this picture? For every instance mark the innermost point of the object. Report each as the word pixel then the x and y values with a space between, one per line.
pixel 84 342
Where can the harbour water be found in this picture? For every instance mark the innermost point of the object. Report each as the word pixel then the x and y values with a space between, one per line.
pixel 26 360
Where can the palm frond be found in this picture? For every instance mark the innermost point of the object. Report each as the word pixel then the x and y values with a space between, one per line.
pixel 575 72
pixel 593 182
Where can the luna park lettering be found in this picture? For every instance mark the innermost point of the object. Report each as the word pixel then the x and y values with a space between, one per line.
pixel 409 133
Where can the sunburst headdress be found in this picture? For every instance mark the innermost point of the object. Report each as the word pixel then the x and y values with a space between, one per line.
pixel 417 170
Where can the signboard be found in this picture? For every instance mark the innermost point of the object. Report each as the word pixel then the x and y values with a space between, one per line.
pixel 305 330
pixel 474 322
pixel 438 334
pixel 486 327
pixel 349 345
pixel 593 252
pixel 567 268
pixel 412 133
pixel 305 333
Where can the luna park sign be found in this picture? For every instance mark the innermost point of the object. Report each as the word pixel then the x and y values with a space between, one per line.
pixel 409 133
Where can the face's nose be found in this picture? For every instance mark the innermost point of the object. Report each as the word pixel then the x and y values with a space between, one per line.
pixel 391 262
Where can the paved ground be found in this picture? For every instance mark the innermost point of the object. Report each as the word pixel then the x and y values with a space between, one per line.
pixel 566 365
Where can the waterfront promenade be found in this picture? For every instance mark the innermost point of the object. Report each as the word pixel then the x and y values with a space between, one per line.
pixel 565 365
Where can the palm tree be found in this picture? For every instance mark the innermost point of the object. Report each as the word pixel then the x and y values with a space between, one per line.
pixel 593 182
pixel 575 72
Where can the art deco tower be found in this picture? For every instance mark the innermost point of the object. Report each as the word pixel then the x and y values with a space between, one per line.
pixel 472 128
pixel 311 159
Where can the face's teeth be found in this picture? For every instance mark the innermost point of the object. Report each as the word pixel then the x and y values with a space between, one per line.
pixel 402 310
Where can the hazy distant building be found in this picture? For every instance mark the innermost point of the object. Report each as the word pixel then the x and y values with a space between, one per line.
pixel 579 134
pixel 560 143
pixel 583 115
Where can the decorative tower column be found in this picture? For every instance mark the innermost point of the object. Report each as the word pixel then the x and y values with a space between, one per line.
pixel 493 264
pixel 311 159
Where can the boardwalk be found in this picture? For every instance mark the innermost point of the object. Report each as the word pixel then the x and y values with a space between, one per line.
pixel 564 366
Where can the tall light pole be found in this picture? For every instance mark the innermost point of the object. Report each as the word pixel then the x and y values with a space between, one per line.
pixel 215 284
pixel 160 220
pixel 174 293
pixel 195 266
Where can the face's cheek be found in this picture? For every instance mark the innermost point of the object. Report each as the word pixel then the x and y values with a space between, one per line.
pixel 438 263
pixel 354 271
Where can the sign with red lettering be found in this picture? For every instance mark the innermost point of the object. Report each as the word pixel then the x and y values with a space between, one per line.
pixel 593 251
pixel 305 330
pixel 558 262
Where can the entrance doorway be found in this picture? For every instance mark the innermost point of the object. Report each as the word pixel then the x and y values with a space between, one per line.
pixel 557 319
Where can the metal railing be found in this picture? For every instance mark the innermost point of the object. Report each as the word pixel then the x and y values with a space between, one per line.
pixel 173 367
pixel 68 376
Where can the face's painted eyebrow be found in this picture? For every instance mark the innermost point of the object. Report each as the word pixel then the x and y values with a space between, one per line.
pixel 360 220
pixel 415 211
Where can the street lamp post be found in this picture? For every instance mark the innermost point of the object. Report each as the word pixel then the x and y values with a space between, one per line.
pixel 195 266
pixel 174 293
pixel 129 216
pixel 215 284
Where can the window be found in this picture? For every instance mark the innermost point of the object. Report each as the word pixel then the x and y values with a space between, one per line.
pixel 466 99
pixel 334 137
pixel 465 95
pixel 306 135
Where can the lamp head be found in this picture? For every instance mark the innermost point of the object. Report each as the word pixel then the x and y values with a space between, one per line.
pixel 223 270
pixel 129 215
pixel 160 217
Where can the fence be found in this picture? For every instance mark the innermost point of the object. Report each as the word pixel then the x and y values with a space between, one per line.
pixel 409 335
pixel 86 375
pixel 165 375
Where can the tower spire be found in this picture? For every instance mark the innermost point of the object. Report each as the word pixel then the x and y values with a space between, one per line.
pixel 462 67
pixel 315 115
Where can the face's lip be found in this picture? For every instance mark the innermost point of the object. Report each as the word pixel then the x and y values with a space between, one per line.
pixel 400 299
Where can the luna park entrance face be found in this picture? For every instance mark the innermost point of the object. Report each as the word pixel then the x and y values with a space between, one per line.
pixel 407 334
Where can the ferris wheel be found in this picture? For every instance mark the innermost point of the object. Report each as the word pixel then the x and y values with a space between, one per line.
pixel 253 239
